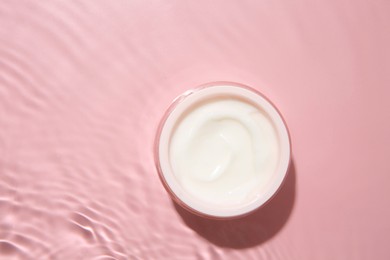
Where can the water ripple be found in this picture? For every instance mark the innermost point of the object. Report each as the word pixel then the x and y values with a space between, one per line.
pixel 78 112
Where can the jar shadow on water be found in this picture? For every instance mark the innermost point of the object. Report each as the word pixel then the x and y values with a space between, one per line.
pixel 251 230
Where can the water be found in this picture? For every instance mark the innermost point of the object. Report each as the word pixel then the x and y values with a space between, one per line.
pixel 83 85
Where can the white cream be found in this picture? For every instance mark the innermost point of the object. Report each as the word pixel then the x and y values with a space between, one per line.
pixel 223 149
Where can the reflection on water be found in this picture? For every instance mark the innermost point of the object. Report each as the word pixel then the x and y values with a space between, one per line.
pixel 83 85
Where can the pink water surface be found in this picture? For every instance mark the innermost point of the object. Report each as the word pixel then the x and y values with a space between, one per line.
pixel 83 85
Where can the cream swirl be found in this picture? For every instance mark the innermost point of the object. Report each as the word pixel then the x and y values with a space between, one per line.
pixel 222 149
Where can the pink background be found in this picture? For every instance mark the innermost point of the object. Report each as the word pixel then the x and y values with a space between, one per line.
pixel 83 85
